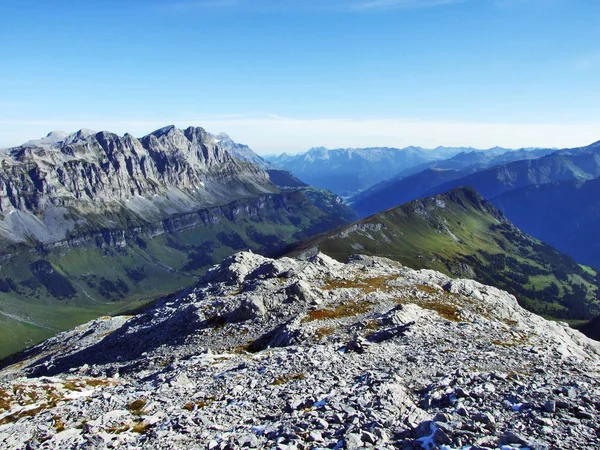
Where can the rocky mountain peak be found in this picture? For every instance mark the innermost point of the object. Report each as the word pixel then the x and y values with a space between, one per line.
pixel 172 170
pixel 169 129
pixel 223 137
pixel 54 137
pixel 84 134
pixel 311 353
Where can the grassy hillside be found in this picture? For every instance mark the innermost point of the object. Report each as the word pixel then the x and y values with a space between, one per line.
pixel 461 234
pixel 46 290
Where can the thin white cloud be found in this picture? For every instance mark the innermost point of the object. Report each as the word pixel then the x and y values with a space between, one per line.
pixel 507 4
pixel 305 5
pixel 8 105
pixel 585 63
pixel 189 6
pixel 400 4
pixel 273 134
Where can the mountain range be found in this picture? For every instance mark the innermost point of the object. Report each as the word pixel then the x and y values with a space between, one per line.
pixel 489 178
pixel 477 159
pixel 551 197
pixel 347 171
pixel 94 223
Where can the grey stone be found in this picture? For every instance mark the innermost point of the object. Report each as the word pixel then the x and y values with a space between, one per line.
pixel 353 441
pixel 484 417
pixel 550 406
pixel 440 437
pixel 510 437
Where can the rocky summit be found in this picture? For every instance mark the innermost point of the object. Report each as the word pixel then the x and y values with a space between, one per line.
pixel 298 354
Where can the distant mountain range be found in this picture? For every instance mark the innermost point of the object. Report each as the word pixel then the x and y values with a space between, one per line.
pixel 490 176
pixel 347 171
pixel 530 191
pixel 478 159
pixel 94 223
pixel 461 234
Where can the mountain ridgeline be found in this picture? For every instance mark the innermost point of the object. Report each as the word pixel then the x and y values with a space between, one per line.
pixel 347 171
pixel 96 223
pixel 530 169
pixel 461 234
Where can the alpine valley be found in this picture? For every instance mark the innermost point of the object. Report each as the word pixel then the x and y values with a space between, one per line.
pixel 95 223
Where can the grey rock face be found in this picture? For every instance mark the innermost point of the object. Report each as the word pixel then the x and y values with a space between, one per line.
pixel 388 357
pixel 64 182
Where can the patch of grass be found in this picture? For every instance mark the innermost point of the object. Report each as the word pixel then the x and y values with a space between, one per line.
pixel 164 362
pixel 444 310
pixel 12 418
pixel 500 343
pixel 136 407
pixel 59 425
pixel 118 429
pixel 367 285
pixel 348 309
pixel 512 342
pixel 331 284
pixel 26 395
pixel 72 386
pixel 372 324
pixel 140 427
pixel 588 269
pixel 5 400
pixel 428 289
pixel 199 404
pixel 95 382
pixel 324 332
pixel 287 378
pixel 243 348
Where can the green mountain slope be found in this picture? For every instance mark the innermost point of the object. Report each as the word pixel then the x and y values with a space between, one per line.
pixel 462 234
pixel 46 289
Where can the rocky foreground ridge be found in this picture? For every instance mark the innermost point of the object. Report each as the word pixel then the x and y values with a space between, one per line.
pixel 295 354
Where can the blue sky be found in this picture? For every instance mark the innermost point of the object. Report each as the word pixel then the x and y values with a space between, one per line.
pixel 285 75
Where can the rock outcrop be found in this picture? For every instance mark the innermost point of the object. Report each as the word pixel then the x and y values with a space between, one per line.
pixel 298 354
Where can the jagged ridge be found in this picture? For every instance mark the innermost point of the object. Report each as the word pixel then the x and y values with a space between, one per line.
pixel 51 181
